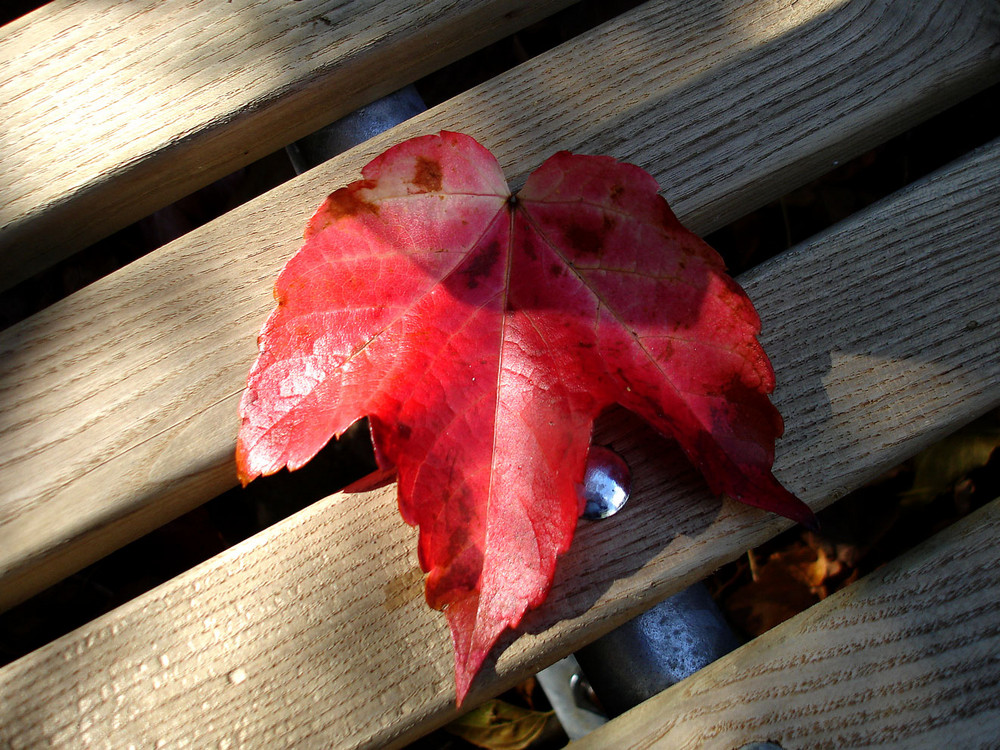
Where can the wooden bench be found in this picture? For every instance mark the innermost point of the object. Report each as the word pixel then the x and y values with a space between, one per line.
pixel 118 410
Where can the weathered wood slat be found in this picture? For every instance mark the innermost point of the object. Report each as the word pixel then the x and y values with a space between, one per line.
pixel 117 405
pixel 112 110
pixel 907 657
pixel 883 332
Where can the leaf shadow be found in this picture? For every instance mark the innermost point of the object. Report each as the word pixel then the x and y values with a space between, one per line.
pixel 670 506
pixel 615 568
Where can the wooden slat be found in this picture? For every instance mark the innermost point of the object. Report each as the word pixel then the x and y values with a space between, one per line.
pixel 315 632
pixel 908 657
pixel 111 110
pixel 118 404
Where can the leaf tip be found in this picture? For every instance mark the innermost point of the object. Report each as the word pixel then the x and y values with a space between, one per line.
pixel 463 680
pixel 243 471
pixel 810 522
pixel 791 507
pixel 467 666
pixel 473 634
pixel 249 464
pixel 245 474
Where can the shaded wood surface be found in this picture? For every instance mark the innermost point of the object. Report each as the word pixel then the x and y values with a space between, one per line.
pixel 907 657
pixel 883 331
pixel 119 404
pixel 114 108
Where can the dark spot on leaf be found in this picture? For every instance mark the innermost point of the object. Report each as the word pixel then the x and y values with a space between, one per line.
pixel 345 202
pixel 585 241
pixel 616 193
pixel 404 431
pixel 427 176
pixel 482 265
pixel 555 269
pixel 655 408
pixel 588 241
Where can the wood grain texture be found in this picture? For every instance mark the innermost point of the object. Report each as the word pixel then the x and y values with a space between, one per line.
pixel 883 332
pixel 907 657
pixel 118 408
pixel 114 109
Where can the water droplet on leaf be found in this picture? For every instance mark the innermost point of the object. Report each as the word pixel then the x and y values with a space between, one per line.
pixel 607 482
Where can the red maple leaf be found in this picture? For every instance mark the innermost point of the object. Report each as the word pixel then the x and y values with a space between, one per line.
pixel 482 333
